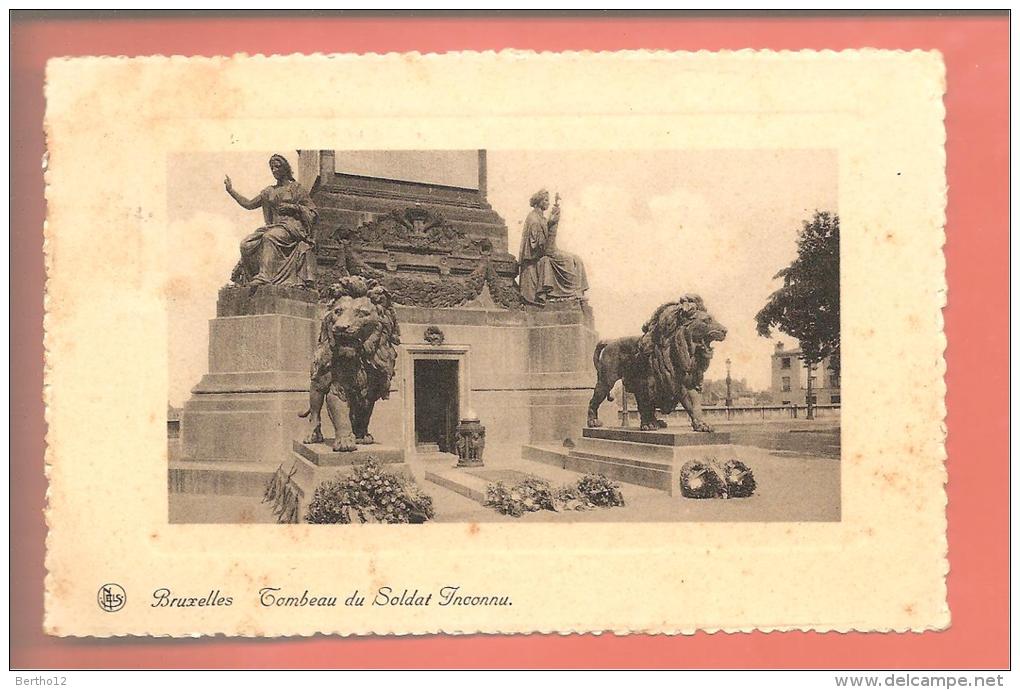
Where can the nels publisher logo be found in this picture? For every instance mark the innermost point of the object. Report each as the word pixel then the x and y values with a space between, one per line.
pixel 111 597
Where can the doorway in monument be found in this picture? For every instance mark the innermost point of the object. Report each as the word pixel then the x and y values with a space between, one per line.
pixel 436 404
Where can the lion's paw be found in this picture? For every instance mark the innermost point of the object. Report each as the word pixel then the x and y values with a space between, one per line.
pixel 365 440
pixel 701 426
pixel 661 423
pixel 649 427
pixel 345 444
pixel 594 422
pixel 315 436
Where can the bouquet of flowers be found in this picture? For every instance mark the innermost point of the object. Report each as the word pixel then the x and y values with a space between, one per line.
pixel 371 495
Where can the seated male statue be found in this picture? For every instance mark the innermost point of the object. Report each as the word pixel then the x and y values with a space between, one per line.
pixel 547 273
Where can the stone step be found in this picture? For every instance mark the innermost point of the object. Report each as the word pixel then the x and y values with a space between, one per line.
pixel 649 474
pixel 322 455
pixel 549 456
pixel 610 457
pixel 458 482
pixel 473 482
pixel 664 437
pixel 223 478
pixel 627 449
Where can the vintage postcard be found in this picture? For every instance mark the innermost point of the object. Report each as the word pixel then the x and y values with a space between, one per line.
pixel 495 343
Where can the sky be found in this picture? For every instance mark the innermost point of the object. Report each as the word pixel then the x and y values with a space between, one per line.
pixel 649 226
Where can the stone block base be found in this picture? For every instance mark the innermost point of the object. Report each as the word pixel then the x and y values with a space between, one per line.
pixel 663 437
pixel 459 482
pixel 236 300
pixel 314 463
pixel 242 427
pixel 472 482
pixel 221 478
pixel 646 458
pixel 322 454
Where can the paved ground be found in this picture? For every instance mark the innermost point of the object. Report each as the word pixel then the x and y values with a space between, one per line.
pixel 797 471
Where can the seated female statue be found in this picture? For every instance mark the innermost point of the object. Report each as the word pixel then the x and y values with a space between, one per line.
pixel 280 252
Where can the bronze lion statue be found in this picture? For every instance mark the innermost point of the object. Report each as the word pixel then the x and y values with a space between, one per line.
pixel 664 366
pixel 354 360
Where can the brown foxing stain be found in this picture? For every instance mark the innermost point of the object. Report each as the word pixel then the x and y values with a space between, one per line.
pixel 474 529
pixel 154 536
pixel 909 609
pixel 890 237
pixel 177 289
pixel 59 589
pixel 247 516
pixel 418 69
pixel 891 479
pixel 371 566
pixel 207 84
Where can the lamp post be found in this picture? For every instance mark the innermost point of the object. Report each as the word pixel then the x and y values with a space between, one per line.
pixel 810 398
pixel 729 381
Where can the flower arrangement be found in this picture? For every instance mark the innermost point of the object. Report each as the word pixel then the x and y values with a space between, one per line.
pixel 711 479
pixel 533 494
pixel 284 495
pixel 371 495
pixel 739 479
pixel 527 495
pixel 598 491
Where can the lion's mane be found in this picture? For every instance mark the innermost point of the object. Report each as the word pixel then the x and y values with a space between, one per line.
pixel 673 359
pixel 366 376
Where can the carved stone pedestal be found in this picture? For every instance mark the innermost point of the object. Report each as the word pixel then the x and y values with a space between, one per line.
pixel 314 463
pixel 242 416
pixel 646 458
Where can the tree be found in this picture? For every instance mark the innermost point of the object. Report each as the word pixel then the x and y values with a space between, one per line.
pixel 807 305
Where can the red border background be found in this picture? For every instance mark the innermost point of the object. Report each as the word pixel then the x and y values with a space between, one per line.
pixel 976 51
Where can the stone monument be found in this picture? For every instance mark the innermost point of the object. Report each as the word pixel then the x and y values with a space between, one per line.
pixel 241 417
pixel 468 341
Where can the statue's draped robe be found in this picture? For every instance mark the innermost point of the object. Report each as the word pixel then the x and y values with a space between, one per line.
pixel 280 252
pixel 547 273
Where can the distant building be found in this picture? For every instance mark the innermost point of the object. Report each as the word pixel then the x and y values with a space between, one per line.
pixel 790 379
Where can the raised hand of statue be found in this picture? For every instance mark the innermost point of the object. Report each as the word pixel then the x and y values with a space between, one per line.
pixel 227 184
pixel 554 214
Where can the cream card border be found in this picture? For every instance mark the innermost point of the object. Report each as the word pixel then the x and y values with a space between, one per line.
pixel 112 122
